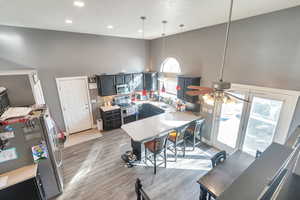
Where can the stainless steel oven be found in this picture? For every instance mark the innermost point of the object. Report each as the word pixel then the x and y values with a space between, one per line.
pixel 123 89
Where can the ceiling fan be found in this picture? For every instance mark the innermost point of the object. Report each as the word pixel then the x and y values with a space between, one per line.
pixel 220 90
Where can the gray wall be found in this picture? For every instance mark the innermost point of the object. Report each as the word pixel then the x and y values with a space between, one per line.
pixel 59 54
pixel 263 51
pixel 18 89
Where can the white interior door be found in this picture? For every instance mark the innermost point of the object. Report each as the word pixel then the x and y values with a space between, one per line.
pixel 75 104
pixel 38 93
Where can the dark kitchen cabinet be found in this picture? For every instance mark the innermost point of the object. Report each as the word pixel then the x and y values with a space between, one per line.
pixel 111 119
pixel 119 79
pixel 4 102
pixel 30 189
pixel 148 110
pixel 138 81
pixel 106 85
pixel 128 79
pixel 151 81
pixel 183 82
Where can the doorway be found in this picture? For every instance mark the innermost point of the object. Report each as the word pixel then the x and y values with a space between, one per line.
pixel 75 103
pixel 254 125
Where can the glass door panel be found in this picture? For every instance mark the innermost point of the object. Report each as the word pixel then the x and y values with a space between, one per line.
pixel 229 124
pixel 262 123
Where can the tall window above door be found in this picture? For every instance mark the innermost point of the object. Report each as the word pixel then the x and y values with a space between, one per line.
pixel 169 68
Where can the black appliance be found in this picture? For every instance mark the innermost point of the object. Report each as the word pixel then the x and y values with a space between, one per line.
pixel 39 129
pixel 4 101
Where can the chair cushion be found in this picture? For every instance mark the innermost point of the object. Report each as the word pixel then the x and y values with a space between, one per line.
pixel 150 145
pixel 191 129
pixel 172 136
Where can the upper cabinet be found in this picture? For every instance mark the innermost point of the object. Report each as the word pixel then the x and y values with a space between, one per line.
pixel 119 79
pixel 138 81
pixel 183 82
pixel 106 85
pixel 151 81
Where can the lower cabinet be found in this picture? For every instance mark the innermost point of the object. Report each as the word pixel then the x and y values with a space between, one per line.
pixel 31 189
pixel 111 119
pixel 148 110
pixel 129 119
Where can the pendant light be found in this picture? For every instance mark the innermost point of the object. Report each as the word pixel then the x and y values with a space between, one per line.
pixel 181 26
pixel 164 23
pixel 143 18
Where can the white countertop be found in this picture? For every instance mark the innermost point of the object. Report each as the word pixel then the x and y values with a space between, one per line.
pixel 151 127
pixel 109 108
pixel 19 175
pixel 159 104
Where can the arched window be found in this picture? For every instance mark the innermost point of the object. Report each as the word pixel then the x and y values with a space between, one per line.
pixel 170 65
pixel 170 68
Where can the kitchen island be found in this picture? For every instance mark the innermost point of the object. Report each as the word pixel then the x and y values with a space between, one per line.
pixel 149 128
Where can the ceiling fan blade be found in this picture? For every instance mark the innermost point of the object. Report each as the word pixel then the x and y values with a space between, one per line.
pixel 196 93
pixel 195 87
pixel 241 99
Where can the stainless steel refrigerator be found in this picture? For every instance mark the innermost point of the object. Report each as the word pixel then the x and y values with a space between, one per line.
pixel 39 129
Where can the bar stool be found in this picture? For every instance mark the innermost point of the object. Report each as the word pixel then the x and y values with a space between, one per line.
pixel 177 137
pixel 156 147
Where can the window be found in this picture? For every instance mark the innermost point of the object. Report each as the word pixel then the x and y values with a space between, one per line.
pixel 170 65
pixel 170 68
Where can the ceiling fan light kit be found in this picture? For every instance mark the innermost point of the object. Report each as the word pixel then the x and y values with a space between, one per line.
pixel 221 85
pixel 219 90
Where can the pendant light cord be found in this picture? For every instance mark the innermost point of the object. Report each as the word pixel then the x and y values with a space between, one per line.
pixel 226 42
pixel 164 37
pixel 143 18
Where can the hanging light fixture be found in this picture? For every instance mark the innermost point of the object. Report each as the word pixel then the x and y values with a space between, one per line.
pixel 219 90
pixel 164 23
pixel 143 18
pixel 181 26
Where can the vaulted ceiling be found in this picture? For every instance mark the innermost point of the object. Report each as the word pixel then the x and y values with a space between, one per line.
pixel 122 17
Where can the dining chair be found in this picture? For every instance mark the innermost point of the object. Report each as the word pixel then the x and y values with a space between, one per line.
pixel 258 154
pixel 177 138
pixel 140 193
pixel 219 158
pixel 156 147
pixel 194 133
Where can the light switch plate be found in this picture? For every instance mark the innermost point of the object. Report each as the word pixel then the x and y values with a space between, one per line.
pixel 92 86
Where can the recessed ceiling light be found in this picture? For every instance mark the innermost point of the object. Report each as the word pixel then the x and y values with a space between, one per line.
pixel 110 26
pixel 68 21
pixel 140 30
pixel 79 4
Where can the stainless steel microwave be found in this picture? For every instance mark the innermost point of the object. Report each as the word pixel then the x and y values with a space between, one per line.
pixel 123 89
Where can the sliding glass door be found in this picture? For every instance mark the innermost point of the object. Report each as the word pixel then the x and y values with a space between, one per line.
pixel 229 121
pixel 262 122
pixel 249 126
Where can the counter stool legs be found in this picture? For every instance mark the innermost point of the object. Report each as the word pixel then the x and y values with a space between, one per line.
pixel 203 193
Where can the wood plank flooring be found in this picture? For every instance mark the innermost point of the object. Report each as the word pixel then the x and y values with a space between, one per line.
pixel 94 171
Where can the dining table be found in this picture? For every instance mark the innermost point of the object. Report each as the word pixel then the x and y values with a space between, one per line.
pixel 219 178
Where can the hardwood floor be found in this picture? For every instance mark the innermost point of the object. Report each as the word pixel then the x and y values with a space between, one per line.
pixel 94 171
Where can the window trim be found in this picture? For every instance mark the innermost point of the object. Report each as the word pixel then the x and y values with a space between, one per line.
pixel 170 73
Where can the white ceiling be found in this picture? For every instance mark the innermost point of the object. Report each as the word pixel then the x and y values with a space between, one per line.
pixel 124 14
